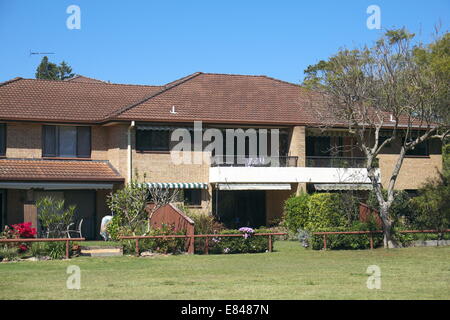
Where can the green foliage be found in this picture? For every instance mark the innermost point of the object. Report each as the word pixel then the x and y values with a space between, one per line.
pixel 54 217
pixel 251 244
pixel 325 212
pixel 38 249
pixel 8 253
pixel 128 205
pixel 432 206
pixel 55 250
pixel 50 71
pixel 347 241
pixel 401 210
pixel 158 245
pixel 113 228
pixel 296 212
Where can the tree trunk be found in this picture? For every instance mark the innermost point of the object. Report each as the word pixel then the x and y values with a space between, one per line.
pixel 388 239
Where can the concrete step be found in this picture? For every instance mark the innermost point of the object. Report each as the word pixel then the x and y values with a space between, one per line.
pixel 101 251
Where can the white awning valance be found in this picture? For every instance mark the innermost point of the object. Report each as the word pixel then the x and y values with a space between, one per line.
pixel 178 185
pixel 342 186
pixel 254 186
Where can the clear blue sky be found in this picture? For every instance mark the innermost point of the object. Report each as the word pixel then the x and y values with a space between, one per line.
pixel 154 42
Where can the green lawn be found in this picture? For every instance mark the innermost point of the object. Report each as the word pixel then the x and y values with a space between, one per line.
pixel 289 273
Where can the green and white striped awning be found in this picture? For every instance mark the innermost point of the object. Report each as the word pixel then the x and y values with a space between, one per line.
pixel 178 185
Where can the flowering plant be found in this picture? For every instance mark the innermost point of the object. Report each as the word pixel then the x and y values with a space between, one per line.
pixel 247 231
pixel 19 231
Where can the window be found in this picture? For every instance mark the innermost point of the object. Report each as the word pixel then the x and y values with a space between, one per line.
pixel 2 139
pixel 152 140
pixel 66 141
pixel 193 197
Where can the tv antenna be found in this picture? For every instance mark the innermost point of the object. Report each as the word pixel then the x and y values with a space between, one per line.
pixel 40 53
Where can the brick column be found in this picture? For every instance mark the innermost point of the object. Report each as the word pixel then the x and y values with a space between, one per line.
pixel 30 209
pixel 297 148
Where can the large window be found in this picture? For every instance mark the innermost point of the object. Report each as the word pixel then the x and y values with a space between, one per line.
pixel 2 139
pixel 66 142
pixel 153 140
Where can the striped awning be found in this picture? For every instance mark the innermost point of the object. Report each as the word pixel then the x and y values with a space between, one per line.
pixel 342 186
pixel 178 185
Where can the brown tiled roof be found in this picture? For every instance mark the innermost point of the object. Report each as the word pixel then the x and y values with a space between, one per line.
pixel 80 78
pixel 57 170
pixel 228 98
pixel 66 101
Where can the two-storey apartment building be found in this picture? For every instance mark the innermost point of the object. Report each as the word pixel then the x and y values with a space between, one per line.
pixel 79 140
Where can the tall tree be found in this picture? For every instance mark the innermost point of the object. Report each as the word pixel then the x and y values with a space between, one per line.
pixel 388 85
pixel 50 71
pixel 47 70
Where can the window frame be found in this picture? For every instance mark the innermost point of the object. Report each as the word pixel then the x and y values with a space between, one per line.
pixel 139 140
pixel 56 140
pixel 191 202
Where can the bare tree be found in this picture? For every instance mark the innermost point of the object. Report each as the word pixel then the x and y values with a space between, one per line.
pixel 383 88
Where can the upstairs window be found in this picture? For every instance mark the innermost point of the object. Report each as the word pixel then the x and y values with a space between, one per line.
pixel 66 142
pixel 2 139
pixel 152 140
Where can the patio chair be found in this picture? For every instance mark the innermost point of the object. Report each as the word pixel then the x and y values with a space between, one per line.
pixel 77 231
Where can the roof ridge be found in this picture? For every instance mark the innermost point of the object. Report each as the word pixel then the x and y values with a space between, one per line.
pixel 165 88
pixel 101 82
pixel 10 81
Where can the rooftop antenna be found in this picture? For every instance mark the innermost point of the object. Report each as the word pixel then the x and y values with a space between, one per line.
pixel 40 53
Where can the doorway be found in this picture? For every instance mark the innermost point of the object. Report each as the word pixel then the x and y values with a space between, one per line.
pixel 243 208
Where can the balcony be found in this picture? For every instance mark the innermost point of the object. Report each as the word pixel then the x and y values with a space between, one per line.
pixel 243 161
pixel 337 162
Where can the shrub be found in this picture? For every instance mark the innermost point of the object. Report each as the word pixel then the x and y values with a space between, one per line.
pixel 296 212
pixel 158 245
pixel 347 241
pixel 324 212
pixel 8 253
pixel 55 250
pixel 432 206
pixel 54 217
pixel 248 243
pixel 38 249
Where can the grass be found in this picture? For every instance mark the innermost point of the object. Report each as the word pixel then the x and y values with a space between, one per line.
pixel 289 273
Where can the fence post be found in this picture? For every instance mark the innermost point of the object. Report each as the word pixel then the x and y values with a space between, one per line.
pixel 137 247
pixel 67 249
pixel 270 243
pixel 371 240
pixel 325 242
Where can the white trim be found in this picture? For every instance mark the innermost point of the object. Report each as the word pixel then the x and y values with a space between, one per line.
pixel 254 186
pixel 55 186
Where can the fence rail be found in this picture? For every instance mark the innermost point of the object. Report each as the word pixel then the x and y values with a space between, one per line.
pixel 67 240
pixel 206 236
pixel 370 233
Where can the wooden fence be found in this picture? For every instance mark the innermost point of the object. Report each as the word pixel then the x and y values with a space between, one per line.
pixel 370 233
pixel 206 236
pixel 67 240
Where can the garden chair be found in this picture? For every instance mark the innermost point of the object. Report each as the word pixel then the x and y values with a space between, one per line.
pixel 77 231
